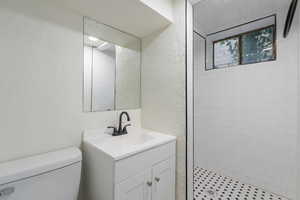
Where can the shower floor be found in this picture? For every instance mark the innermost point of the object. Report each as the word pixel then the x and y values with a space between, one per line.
pixel 209 185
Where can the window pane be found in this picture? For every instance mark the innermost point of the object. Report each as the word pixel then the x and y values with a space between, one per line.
pixel 258 46
pixel 226 53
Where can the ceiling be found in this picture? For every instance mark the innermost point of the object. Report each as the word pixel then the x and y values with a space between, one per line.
pixel 213 15
pixel 131 16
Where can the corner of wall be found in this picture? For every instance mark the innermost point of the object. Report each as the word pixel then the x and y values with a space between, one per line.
pixel 163 87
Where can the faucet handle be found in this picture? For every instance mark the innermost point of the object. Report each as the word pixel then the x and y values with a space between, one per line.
pixel 114 129
pixel 125 128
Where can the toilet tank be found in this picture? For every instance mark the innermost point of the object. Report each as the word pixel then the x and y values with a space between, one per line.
pixel 50 176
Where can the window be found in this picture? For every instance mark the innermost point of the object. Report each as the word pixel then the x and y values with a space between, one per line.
pixel 247 48
pixel 258 46
pixel 226 53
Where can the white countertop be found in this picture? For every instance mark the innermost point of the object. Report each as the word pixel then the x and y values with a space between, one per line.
pixel 119 147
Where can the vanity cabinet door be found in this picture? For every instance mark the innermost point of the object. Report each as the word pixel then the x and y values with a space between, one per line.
pixel 135 188
pixel 164 180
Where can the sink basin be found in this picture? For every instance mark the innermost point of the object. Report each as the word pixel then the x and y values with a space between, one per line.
pixel 119 147
pixel 131 139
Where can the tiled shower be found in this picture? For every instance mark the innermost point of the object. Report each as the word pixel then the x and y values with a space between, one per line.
pixel 244 100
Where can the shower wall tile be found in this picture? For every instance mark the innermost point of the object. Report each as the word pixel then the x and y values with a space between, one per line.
pixel 246 118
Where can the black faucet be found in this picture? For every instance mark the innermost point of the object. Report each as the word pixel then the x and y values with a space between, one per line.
pixel 121 130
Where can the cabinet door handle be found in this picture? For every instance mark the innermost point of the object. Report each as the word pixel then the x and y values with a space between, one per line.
pixel 157 179
pixel 149 183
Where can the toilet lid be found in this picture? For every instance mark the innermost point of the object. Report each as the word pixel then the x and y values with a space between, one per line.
pixel 27 167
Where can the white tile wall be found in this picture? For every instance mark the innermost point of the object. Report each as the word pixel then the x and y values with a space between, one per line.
pixel 246 118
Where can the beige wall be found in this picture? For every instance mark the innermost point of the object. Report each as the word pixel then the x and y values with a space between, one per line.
pixel 163 85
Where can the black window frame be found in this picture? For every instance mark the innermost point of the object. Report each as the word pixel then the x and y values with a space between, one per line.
pixel 239 36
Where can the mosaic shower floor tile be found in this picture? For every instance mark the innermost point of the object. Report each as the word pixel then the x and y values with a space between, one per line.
pixel 209 185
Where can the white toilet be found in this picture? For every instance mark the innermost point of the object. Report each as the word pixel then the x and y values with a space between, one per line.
pixel 51 176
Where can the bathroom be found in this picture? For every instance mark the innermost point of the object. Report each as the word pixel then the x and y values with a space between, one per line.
pixel 190 117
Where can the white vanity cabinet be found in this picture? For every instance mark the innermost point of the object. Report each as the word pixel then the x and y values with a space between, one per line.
pixel 135 188
pixel 146 173
pixel 157 183
pixel 147 181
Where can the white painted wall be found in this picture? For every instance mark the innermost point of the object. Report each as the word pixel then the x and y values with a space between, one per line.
pixel 163 85
pixel 41 78
pixel 246 118
pixel 128 78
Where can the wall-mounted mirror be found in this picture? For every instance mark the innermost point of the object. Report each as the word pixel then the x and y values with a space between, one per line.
pixel 112 68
